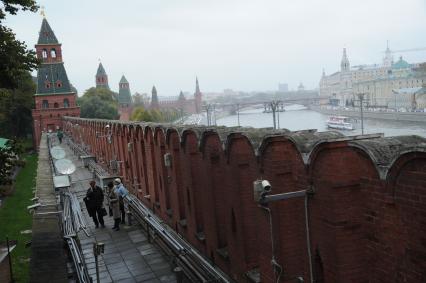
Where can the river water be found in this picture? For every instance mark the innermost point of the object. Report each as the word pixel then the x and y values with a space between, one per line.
pixel 298 118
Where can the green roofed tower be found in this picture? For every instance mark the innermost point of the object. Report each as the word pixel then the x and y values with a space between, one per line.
pixel 101 77
pixel 54 97
pixel 124 99
pixel 124 96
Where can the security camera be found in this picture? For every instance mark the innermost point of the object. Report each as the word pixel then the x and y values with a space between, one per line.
pixel 266 186
pixel 260 189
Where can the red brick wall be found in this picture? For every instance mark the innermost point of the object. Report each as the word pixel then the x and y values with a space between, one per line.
pixel 363 226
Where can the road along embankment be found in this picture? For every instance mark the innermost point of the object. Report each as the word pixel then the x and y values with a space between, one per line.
pixel 395 116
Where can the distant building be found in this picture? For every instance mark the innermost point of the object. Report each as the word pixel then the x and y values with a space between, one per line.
pixel 125 105
pixel 301 87
pixel 54 97
pixel 376 81
pixel 181 103
pixel 283 87
pixel 412 98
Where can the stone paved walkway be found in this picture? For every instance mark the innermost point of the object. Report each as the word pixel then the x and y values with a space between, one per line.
pixel 128 257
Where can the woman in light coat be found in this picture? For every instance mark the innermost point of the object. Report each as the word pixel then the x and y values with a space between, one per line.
pixel 115 206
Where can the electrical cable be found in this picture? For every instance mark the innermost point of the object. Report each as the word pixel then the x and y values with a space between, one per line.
pixel 273 260
pixel 308 240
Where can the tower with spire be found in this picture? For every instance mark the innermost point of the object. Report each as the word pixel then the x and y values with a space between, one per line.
pixel 388 59
pixel 197 97
pixel 54 97
pixel 344 64
pixel 101 77
pixel 124 99
pixel 154 99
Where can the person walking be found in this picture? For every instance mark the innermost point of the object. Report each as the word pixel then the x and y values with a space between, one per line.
pixel 114 203
pixel 94 203
pixel 121 192
pixel 60 135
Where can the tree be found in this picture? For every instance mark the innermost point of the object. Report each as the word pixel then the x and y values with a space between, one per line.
pixel 15 108
pixel 140 114
pixel 15 58
pixel 103 93
pixel 95 107
pixel 8 159
pixel 138 100
pixel 98 103
pixel 154 115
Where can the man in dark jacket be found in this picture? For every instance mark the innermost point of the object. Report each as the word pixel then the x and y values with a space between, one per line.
pixel 94 203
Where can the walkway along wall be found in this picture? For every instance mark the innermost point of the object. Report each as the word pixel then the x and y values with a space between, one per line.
pixel 364 219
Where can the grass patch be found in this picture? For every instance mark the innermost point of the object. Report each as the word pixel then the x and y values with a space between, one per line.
pixel 15 218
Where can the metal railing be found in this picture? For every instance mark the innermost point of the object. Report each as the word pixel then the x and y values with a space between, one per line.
pixel 80 266
pixel 73 220
pixel 193 264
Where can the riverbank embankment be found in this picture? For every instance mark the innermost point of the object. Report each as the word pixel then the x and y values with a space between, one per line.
pixel 380 115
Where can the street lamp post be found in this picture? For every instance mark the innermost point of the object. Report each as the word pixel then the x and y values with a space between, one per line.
pixel 274 108
pixel 238 114
pixel 361 102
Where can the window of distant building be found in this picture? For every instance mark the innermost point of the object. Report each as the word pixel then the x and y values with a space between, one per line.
pixel 45 104
pixel 66 103
pixel 56 105
pixel 44 53
pixel 58 84
pixel 47 84
pixel 53 53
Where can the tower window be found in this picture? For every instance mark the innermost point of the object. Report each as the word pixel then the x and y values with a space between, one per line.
pixel 44 53
pixel 53 53
pixel 56 105
pixel 58 84
pixel 66 103
pixel 45 104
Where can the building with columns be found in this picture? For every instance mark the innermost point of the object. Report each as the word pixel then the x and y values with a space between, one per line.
pixel 377 81
pixel 54 97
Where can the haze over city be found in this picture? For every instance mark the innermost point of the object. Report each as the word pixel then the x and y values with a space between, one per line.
pixel 243 45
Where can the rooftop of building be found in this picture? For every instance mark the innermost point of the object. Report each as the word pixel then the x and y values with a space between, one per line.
pixel 46 34
pixel 401 64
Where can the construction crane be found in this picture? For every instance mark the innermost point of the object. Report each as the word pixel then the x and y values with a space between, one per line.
pixel 407 50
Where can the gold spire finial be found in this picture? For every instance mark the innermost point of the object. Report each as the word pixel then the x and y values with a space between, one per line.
pixel 42 12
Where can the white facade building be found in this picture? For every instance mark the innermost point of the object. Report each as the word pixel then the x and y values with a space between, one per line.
pixel 376 81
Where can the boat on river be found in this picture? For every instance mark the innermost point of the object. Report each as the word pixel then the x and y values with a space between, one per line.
pixel 340 123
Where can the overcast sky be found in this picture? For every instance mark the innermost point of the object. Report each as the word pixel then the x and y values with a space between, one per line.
pixel 239 44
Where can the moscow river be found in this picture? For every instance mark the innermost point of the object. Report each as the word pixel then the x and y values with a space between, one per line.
pixel 297 118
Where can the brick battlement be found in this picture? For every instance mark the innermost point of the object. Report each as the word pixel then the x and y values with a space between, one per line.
pixel 365 216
